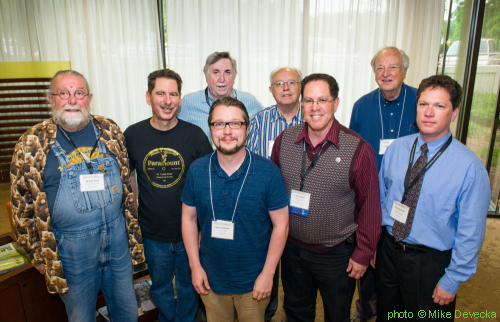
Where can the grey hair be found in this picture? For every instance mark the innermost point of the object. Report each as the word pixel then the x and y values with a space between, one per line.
pixel 299 73
pixel 215 57
pixel 404 57
pixel 68 72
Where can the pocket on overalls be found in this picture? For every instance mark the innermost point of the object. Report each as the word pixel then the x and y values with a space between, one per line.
pixel 92 200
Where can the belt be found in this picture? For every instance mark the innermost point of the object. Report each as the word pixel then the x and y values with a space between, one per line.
pixel 407 247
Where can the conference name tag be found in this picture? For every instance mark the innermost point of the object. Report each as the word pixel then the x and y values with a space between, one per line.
pixel 91 182
pixel 299 202
pixel 223 229
pixel 384 144
pixel 270 148
pixel 399 211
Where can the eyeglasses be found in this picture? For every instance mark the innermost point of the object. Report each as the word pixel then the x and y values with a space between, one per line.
pixel 321 102
pixel 282 83
pixel 64 95
pixel 222 125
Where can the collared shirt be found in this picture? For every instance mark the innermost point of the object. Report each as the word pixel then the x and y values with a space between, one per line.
pixel 232 266
pixel 266 125
pixel 452 206
pixel 194 108
pixel 366 118
pixel 364 180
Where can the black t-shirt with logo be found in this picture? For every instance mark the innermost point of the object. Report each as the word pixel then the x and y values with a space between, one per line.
pixel 161 160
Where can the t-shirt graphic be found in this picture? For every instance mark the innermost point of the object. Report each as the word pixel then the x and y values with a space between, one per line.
pixel 163 167
pixel 75 156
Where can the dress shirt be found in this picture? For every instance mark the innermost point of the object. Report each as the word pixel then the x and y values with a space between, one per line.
pixel 369 114
pixel 363 178
pixel 266 125
pixel 194 108
pixel 452 206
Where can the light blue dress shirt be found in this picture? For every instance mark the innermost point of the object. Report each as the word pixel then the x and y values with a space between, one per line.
pixel 266 125
pixel 452 206
pixel 194 108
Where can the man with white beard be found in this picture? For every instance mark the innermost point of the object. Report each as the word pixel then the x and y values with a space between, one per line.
pixel 73 204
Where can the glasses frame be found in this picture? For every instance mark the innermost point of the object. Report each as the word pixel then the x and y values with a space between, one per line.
pixel 241 123
pixel 311 103
pixel 293 83
pixel 69 95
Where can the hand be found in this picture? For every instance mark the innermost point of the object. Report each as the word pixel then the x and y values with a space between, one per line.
pixel 357 270
pixel 263 286
pixel 373 260
pixel 442 297
pixel 200 280
pixel 40 268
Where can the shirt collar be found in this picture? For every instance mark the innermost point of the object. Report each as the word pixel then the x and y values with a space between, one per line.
pixel 399 99
pixel 433 146
pixel 276 115
pixel 332 136
pixel 210 98
pixel 242 170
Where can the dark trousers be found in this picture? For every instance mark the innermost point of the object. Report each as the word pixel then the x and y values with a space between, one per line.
pixel 366 305
pixel 273 301
pixel 303 272
pixel 405 282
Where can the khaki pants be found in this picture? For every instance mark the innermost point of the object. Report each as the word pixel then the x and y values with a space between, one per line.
pixel 220 307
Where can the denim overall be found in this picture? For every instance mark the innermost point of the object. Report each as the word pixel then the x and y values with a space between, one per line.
pixel 91 236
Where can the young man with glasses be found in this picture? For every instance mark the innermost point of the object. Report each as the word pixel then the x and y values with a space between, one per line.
pixel 267 124
pixel 233 196
pixel 331 175
pixel 75 220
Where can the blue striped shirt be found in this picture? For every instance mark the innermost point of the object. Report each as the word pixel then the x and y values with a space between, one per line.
pixel 194 108
pixel 265 127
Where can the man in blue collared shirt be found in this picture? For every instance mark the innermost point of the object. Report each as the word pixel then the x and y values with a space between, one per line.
pixel 233 196
pixel 424 270
pixel 220 72
pixel 265 127
pixel 388 112
pixel 267 124
pixel 380 117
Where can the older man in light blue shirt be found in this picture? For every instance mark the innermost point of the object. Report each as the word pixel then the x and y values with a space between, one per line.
pixel 220 72
pixel 427 252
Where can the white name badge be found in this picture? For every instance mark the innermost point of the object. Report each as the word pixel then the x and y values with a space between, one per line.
pixel 91 182
pixel 299 202
pixel 270 148
pixel 384 144
pixel 222 229
pixel 399 211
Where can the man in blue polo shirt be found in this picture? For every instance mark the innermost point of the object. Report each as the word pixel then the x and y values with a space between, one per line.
pixel 233 196
pixel 220 72
pixel 380 117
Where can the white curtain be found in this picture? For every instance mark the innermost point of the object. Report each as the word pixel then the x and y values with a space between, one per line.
pixel 337 37
pixel 113 43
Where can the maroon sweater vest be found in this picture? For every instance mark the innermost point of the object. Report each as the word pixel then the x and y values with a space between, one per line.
pixel 332 207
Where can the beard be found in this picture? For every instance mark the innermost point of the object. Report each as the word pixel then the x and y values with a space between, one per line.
pixel 229 151
pixel 71 121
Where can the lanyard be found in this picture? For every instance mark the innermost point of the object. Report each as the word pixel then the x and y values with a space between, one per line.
pixel 206 96
pixel 303 171
pixel 210 180
pixel 85 157
pixel 408 184
pixel 382 121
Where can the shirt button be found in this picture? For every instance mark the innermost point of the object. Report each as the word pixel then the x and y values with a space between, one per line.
pixel 392 113
pixel 392 130
pixel 227 193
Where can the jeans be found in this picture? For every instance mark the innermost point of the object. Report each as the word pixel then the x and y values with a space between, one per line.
pixel 164 260
pixel 303 272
